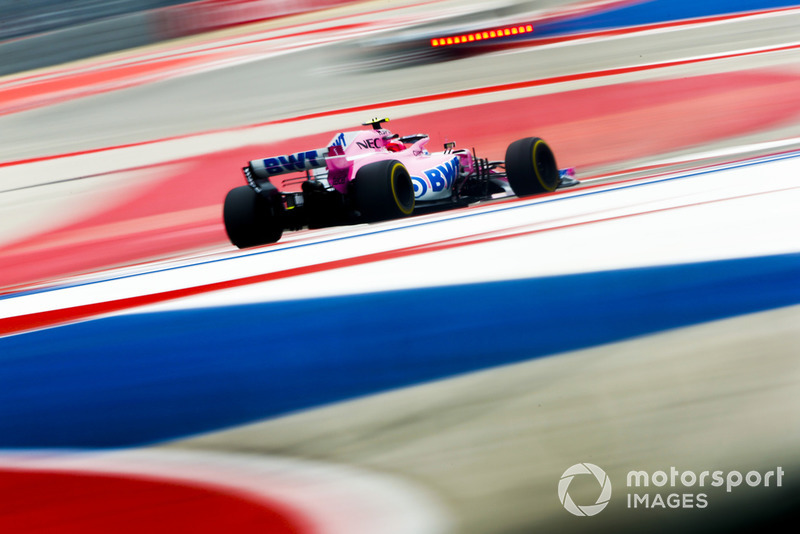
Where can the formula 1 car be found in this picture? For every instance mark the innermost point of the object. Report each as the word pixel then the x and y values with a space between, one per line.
pixel 373 175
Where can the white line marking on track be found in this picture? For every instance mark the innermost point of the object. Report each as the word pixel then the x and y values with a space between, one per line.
pixel 705 215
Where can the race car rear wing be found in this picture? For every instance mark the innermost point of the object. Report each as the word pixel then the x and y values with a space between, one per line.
pixel 301 161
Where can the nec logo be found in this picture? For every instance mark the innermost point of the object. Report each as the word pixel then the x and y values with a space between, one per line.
pixel 369 143
pixel 291 163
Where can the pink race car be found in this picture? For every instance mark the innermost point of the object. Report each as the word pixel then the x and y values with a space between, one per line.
pixel 373 175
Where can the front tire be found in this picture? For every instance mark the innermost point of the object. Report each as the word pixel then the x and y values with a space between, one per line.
pixel 531 167
pixel 383 190
pixel 250 219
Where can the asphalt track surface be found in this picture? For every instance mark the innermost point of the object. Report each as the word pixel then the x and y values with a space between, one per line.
pixel 489 447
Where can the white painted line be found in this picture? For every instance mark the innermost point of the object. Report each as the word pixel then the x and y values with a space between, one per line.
pixel 733 151
pixel 709 215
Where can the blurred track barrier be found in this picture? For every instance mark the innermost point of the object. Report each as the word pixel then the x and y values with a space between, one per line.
pixel 30 17
pixel 206 15
pixel 141 28
pixel 76 42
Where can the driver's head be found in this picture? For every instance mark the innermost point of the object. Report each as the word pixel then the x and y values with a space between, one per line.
pixel 395 145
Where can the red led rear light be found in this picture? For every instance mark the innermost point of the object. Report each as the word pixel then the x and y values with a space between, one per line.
pixel 482 35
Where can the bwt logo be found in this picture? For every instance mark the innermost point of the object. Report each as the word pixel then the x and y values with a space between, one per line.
pixel 436 179
pixel 589 509
pixel 293 162
pixel 339 141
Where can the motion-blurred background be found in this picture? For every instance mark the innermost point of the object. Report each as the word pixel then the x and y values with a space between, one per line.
pixel 654 307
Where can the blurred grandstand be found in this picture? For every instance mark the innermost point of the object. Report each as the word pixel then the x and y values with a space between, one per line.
pixel 28 17
pixel 42 33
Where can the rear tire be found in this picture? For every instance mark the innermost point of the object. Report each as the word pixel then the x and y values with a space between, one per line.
pixel 531 167
pixel 251 219
pixel 383 190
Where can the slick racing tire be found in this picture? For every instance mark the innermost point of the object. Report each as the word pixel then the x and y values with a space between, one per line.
pixel 250 219
pixel 383 190
pixel 531 167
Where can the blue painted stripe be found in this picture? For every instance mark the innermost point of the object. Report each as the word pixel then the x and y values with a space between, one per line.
pixel 653 12
pixel 138 379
